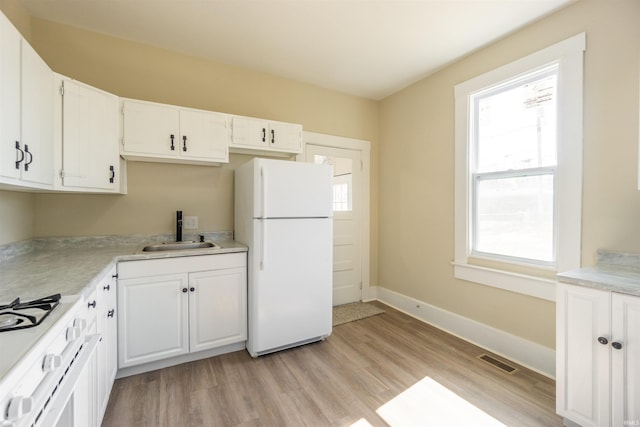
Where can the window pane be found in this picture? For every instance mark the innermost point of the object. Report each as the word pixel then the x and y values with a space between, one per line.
pixel 514 217
pixel 516 126
pixel 342 180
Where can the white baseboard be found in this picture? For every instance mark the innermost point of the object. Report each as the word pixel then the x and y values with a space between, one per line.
pixel 527 353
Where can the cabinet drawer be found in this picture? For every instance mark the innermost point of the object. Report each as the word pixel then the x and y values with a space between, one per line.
pixel 154 267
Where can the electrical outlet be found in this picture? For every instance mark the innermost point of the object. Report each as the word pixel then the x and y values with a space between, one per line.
pixel 190 222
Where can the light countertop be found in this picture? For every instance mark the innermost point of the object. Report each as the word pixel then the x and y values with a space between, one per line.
pixel 616 272
pixel 71 266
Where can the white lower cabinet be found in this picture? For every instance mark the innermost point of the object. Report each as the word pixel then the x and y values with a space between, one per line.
pixel 107 352
pixel 598 356
pixel 174 306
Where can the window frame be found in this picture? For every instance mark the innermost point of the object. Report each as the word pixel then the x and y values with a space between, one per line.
pixel 568 54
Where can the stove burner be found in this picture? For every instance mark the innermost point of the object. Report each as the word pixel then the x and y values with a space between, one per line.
pixel 17 315
pixel 8 320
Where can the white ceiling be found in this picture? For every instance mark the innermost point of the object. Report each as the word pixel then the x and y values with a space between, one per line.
pixel 369 48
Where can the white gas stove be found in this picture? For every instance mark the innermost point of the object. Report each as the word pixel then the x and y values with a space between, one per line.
pixel 44 344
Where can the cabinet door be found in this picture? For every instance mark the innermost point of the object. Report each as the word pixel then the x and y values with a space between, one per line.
pixel 582 363
pixel 90 152
pixel 152 318
pixel 217 308
pixel 625 361
pixel 148 129
pixel 37 118
pixel 249 133
pixel 9 98
pixel 107 354
pixel 204 135
pixel 285 137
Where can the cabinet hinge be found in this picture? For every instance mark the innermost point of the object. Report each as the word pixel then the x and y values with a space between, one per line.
pixel 62 173
pixel 62 89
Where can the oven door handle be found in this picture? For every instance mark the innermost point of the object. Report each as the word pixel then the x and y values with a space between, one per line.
pixel 59 400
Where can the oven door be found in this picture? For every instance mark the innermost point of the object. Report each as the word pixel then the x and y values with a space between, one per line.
pixel 71 404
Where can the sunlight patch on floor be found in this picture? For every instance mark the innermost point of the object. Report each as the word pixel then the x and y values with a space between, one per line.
pixel 428 403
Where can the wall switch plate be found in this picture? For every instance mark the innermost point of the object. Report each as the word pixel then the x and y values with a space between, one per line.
pixel 190 222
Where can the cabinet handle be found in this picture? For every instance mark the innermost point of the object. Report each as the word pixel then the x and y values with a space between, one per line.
pixel 21 155
pixel 184 142
pixel 113 174
pixel 172 146
pixel 26 150
pixel 616 345
pixel 264 135
pixel 273 136
pixel 115 276
pixel 184 290
pixel 192 289
pixel 111 312
pixel 106 288
pixel 92 304
pixel 603 340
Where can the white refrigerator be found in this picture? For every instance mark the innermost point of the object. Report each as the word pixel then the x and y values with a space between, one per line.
pixel 283 213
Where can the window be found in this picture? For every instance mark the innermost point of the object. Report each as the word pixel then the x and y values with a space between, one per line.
pixel 519 170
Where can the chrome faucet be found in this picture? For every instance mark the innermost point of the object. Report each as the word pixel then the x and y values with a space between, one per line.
pixel 178 226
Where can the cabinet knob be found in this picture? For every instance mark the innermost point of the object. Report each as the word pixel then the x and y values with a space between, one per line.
pixel 185 290
pixel 192 289
pixel 616 345
pixel 106 288
pixel 92 304
pixel 603 340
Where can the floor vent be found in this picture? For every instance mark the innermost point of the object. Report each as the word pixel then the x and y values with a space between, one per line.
pixel 498 363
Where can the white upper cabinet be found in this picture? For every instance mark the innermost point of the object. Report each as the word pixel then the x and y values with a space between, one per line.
pixel 9 100
pixel 166 133
pixel 89 138
pixel 26 113
pixel 248 133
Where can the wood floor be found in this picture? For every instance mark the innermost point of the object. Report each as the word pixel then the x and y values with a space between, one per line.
pixel 337 382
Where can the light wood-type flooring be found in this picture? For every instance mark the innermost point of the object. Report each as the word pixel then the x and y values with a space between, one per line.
pixel 341 381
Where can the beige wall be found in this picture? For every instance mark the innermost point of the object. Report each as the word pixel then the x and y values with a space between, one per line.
pixel 156 191
pixel 16 214
pixel 417 175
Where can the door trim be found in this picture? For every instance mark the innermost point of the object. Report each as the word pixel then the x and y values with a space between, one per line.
pixel 324 140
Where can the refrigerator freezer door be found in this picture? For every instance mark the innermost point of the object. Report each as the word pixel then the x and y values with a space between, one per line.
pixel 292 190
pixel 290 290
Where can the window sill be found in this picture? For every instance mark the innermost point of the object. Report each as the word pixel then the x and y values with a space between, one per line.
pixel 520 283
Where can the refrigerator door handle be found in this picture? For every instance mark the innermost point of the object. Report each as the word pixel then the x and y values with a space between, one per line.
pixel 263 244
pixel 263 183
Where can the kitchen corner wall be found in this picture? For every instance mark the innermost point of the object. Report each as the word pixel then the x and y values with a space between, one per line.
pixel 417 175
pixel 157 190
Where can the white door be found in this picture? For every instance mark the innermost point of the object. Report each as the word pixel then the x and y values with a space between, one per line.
pixel 9 99
pixel 583 354
pixel 217 308
pixel 37 117
pixel 347 209
pixel 152 318
pixel 203 135
pixel 625 359
pixel 150 128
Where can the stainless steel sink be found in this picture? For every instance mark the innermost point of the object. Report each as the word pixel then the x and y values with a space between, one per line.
pixel 178 246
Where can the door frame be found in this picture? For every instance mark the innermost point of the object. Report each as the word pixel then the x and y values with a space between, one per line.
pixel 364 147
